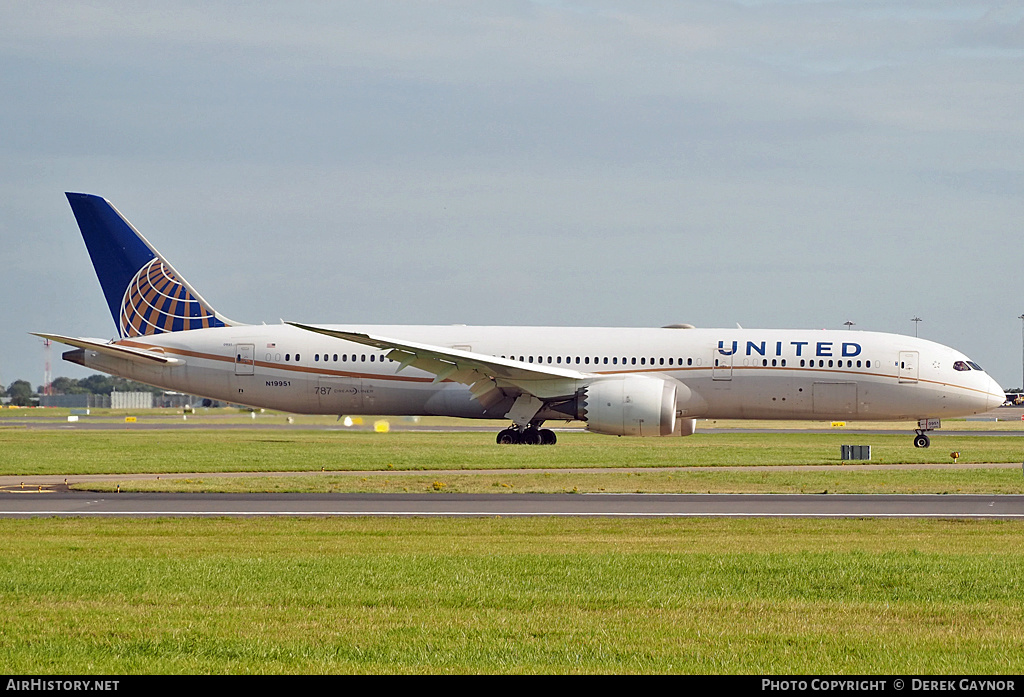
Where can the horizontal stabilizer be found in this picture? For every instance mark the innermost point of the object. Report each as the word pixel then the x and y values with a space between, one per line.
pixel 126 352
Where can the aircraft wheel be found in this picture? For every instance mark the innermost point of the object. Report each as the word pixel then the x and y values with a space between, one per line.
pixel 530 436
pixel 547 436
pixel 509 436
pixel 921 441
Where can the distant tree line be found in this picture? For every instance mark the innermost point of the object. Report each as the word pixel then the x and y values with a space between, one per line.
pixel 21 392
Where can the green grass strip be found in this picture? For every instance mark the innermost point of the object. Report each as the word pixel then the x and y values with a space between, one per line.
pixel 516 596
pixel 83 452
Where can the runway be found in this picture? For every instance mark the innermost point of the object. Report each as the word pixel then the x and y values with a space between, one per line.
pixel 54 502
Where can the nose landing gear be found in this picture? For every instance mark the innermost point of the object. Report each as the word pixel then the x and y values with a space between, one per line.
pixel 921 440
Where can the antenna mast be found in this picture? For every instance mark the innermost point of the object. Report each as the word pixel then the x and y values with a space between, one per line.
pixel 47 376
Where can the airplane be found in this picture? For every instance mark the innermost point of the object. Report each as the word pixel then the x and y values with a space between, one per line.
pixel 619 381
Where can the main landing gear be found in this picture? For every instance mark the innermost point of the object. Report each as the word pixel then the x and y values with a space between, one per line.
pixel 531 435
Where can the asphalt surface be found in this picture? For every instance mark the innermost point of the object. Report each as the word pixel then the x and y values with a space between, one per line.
pixel 56 502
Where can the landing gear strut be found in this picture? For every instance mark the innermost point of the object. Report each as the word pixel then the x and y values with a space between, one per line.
pixel 531 435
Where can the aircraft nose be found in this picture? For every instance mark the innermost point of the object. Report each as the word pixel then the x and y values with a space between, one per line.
pixel 996 395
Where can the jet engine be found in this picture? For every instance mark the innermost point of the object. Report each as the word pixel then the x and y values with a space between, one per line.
pixel 629 406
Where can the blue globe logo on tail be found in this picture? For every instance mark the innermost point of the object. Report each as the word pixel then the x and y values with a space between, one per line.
pixel 155 302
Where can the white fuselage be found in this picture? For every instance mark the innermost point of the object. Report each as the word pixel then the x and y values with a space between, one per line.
pixel 728 373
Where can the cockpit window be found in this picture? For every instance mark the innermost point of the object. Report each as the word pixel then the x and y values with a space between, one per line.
pixel 975 365
pixel 961 365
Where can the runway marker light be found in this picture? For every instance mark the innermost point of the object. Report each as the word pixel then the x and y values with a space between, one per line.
pixel 955 455
pixel 129 419
pixel 381 426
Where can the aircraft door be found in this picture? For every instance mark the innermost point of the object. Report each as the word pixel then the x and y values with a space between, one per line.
pixel 908 366
pixel 721 363
pixel 245 359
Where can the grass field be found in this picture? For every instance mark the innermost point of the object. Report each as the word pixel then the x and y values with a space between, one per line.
pixel 973 481
pixel 510 596
pixel 519 596
pixel 1008 419
pixel 238 450
pixel 597 462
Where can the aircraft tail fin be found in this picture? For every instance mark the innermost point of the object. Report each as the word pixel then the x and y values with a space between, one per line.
pixel 145 294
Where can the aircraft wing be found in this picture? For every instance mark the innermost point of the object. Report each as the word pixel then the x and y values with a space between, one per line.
pixel 489 377
pixel 115 350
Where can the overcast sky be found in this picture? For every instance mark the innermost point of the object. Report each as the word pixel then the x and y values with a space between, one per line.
pixel 777 164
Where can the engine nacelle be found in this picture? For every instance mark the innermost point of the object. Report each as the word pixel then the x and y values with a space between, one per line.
pixel 630 406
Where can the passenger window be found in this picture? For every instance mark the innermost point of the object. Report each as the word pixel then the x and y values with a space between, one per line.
pixel 287 356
